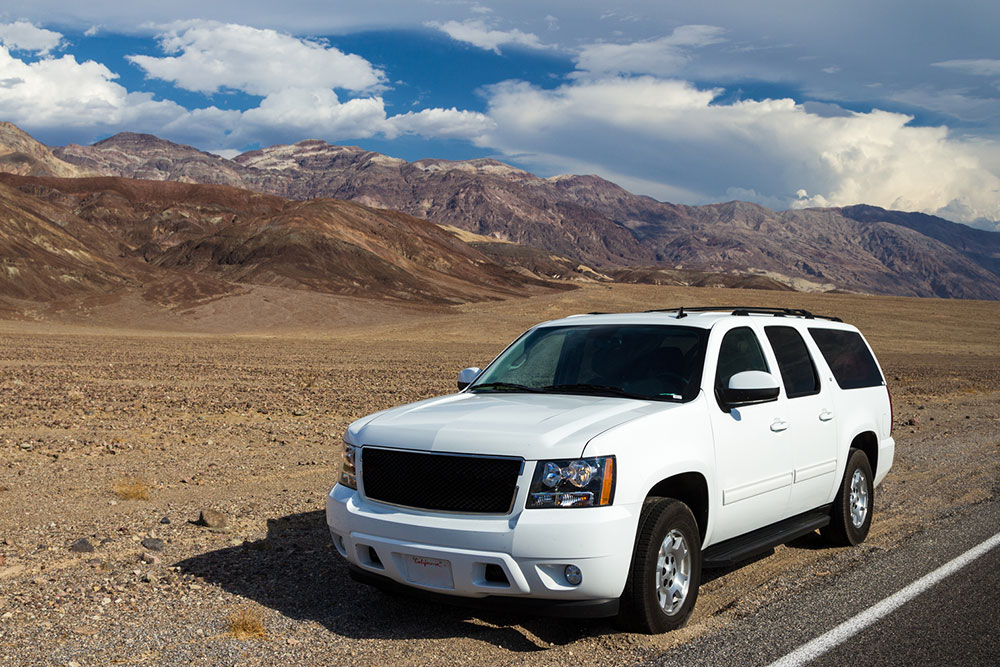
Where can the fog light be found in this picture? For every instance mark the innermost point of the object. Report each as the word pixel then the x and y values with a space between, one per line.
pixel 573 575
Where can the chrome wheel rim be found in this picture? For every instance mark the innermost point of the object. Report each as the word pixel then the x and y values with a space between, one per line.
pixel 673 572
pixel 859 499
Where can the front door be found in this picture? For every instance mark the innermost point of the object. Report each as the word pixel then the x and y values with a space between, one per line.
pixel 753 457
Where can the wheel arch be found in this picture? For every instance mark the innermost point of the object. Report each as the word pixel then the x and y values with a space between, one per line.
pixel 691 488
pixel 867 442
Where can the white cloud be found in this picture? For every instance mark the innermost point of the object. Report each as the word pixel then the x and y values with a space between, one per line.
pixel 57 92
pixel 671 133
pixel 310 113
pixel 444 123
pixel 663 56
pixel 56 95
pixel 24 36
pixel 980 66
pixel 296 79
pixel 478 33
pixel 213 56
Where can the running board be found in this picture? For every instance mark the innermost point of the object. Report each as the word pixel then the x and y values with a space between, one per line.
pixel 763 540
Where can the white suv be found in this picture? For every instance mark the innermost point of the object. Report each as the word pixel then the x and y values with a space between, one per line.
pixel 600 461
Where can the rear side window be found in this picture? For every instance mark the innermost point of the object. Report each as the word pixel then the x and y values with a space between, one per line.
pixel 847 355
pixel 797 370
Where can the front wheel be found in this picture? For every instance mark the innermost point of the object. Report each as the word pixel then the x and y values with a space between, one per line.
pixel 663 580
pixel 851 516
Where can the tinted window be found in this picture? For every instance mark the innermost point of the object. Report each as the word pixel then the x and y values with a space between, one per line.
pixel 739 352
pixel 847 355
pixel 797 370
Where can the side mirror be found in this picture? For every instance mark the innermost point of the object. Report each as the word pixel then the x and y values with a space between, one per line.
pixel 466 376
pixel 750 387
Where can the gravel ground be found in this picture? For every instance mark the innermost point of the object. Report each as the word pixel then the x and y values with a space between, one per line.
pixel 249 426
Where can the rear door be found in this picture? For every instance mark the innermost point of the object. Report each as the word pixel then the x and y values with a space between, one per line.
pixel 811 433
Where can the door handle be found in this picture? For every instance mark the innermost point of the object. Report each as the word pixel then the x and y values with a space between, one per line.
pixel 825 416
pixel 779 425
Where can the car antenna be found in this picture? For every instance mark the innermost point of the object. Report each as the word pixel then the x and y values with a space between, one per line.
pixel 681 313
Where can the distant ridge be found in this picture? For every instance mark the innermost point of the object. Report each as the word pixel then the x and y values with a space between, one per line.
pixel 180 244
pixel 595 223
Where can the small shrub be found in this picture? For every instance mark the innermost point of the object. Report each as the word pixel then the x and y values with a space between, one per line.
pixel 246 623
pixel 132 488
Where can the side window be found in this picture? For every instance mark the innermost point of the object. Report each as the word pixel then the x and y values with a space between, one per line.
pixel 798 373
pixel 848 357
pixel 740 351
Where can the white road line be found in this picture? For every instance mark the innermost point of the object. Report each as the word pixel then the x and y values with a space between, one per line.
pixel 851 626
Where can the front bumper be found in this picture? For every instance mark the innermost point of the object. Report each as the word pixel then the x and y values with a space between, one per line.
pixel 495 603
pixel 462 555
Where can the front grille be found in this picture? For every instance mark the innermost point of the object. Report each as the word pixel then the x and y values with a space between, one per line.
pixel 441 482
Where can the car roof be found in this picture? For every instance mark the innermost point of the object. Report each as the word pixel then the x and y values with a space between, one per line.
pixel 699 317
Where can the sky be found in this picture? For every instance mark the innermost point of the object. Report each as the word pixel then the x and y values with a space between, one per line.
pixel 789 104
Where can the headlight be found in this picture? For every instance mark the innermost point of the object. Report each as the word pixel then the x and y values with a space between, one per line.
pixel 579 483
pixel 349 470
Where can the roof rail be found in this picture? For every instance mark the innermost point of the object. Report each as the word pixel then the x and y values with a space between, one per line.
pixel 682 311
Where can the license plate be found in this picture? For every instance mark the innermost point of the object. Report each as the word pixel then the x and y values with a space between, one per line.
pixel 433 572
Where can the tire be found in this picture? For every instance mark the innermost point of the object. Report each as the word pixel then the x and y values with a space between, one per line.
pixel 851 516
pixel 663 580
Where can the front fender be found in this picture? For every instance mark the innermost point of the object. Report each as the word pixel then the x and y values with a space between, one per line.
pixel 657 446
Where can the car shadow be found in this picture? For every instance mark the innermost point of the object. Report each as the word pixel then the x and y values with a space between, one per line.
pixel 811 541
pixel 712 573
pixel 295 571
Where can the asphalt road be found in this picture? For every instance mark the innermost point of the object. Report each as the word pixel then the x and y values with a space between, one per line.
pixel 954 622
pixel 947 625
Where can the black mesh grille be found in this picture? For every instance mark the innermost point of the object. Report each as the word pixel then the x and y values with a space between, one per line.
pixel 443 482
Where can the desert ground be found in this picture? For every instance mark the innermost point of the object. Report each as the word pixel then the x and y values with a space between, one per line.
pixel 119 427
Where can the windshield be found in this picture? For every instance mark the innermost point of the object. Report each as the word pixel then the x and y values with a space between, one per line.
pixel 644 361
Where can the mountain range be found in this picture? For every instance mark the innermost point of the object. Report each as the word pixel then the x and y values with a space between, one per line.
pixel 576 226
pixel 181 244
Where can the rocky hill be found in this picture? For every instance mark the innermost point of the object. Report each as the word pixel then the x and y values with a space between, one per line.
pixel 183 243
pixel 46 252
pixel 596 223
pixel 21 154
pixel 144 156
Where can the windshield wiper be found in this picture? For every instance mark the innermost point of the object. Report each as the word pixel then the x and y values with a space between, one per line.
pixel 598 389
pixel 506 385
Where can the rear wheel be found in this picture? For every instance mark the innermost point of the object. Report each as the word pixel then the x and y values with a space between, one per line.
pixel 851 517
pixel 663 581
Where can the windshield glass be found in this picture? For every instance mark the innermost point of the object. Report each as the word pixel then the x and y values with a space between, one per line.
pixel 645 361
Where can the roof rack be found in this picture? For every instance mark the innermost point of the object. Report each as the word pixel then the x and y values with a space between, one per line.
pixel 682 311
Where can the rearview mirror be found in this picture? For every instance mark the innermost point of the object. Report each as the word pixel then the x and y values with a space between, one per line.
pixel 750 387
pixel 466 376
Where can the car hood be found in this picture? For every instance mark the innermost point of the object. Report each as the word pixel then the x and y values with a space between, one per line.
pixel 532 426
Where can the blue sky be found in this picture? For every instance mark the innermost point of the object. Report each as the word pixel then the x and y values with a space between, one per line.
pixel 788 104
